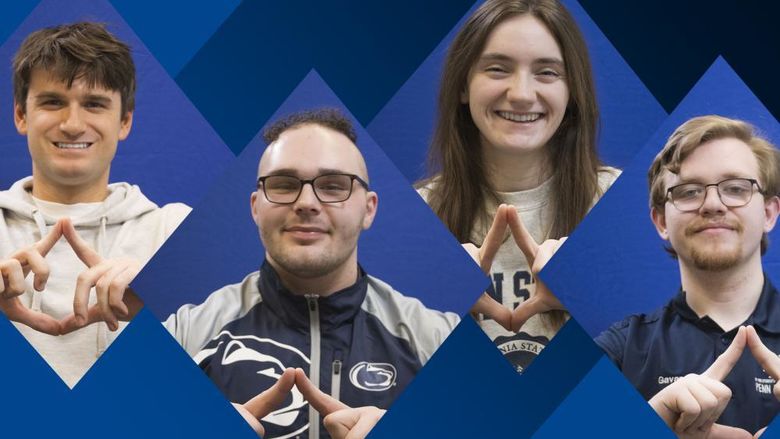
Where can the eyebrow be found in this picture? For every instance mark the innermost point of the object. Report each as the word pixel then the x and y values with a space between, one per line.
pixel 47 95
pixel 495 57
pixel 98 98
pixel 89 97
pixel 503 57
pixel 320 171
pixel 727 176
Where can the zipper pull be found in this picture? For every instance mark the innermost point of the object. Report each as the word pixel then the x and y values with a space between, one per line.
pixel 335 377
pixel 312 299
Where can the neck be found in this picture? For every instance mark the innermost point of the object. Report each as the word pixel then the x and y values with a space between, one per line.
pixel 92 192
pixel 323 285
pixel 728 297
pixel 513 171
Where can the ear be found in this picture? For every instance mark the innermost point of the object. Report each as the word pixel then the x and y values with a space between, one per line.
pixel 20 119
pixel 254 207
pixel 464 96
pixel 126 124
pixel 659 220
pixel 372 202
pixel 771 210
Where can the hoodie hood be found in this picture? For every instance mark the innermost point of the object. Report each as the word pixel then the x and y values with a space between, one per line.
pixel 124 202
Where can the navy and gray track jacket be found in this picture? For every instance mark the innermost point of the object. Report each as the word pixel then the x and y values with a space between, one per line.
pixel 362 345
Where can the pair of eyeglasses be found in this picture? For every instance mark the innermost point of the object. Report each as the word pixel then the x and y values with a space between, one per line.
pixel 733 192
pixel 328 188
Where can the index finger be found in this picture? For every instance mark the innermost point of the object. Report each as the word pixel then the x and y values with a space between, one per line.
pixel 722 365
pixel 493 239
pixel 765 357
pixel 83 250
pixel 522 236
pixel 264 403
pixel 47 242
pixel 322 402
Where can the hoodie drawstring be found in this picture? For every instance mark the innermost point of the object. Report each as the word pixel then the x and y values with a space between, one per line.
pixel 102 333
pixel 43 230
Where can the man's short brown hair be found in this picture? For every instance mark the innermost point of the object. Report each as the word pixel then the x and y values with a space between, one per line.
pixel 326 117
pixel 700 130
pixel 76 51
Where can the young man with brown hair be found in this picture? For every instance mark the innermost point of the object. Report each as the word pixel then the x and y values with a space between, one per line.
pixel 74 89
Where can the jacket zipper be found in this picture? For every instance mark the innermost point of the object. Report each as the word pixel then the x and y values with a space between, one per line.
pixel 314 367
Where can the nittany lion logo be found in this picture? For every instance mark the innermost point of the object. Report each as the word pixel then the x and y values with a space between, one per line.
pixel 255 361
pixel 374 377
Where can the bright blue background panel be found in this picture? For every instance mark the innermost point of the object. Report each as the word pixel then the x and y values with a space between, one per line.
pixel 468 389
pixel 144 385
pixel 605 406
pixel 629 113
pixel 172 153
pixel 614 263
pixel 218 244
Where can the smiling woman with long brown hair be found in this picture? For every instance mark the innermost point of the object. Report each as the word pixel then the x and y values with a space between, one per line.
pixel 517 125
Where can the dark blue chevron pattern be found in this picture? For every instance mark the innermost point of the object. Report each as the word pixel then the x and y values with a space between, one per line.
pixel 238 62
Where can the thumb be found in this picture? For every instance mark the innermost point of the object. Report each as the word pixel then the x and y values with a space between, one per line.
pixel 720 431
pixel 83 250
pixel 722 365
pixel 322 402
pixel 491 309
pixel 525 311
pixel 263 404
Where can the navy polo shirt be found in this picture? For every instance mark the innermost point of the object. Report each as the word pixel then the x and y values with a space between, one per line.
pixel 653 350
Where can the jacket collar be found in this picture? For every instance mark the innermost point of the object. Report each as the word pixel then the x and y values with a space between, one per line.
pixel 294 309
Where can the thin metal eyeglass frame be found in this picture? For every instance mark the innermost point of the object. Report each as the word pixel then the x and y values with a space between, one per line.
pixel 752 181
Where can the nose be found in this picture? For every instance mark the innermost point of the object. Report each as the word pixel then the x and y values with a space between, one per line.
pixel 307 202
pixel 712 202
pixel 521 88
pixel 72 123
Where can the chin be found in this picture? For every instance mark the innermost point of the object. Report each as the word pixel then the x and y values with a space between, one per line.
pixel 716 260
pixel 524 146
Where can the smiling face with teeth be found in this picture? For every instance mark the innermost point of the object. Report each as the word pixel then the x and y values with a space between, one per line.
pixel 72 133
pixel 517 92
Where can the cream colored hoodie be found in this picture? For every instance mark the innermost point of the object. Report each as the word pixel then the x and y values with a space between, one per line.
pixel 125 224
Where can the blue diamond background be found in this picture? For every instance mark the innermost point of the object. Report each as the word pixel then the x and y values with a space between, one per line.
pixel 148 387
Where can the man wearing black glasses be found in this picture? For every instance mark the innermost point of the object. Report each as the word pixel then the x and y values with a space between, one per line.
pixel 354 341
pixel 714 197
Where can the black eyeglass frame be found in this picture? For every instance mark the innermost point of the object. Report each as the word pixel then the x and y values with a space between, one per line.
pixel 352 177
pixel 753 182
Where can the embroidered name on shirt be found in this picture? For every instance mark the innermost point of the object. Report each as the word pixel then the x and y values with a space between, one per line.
pixel 668 380
pixel 764 385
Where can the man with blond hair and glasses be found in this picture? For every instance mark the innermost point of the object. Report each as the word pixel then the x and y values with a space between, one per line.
pixel 714 198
